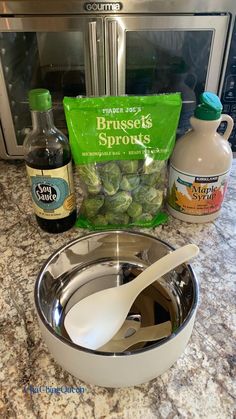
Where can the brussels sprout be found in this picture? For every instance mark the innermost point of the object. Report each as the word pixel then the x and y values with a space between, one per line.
pixel 90 176
pixel 151 166
pixel 93 190
pixel 145 217
pixel 91 206
pixel 118 219
pixel 153 206
pixel 100 220
pixel 144 194
pixel 150 180
pixel 118 203
pixel 134 210
pixel 129 182
pixel 129 166
pixel 111 176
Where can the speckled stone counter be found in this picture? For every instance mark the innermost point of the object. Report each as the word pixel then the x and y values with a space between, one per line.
pixel 199 385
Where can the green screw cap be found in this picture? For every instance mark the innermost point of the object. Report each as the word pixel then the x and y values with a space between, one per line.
pixel 210 107
pixel 40 100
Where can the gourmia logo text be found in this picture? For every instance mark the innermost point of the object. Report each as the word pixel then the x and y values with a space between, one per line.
pixel 103 7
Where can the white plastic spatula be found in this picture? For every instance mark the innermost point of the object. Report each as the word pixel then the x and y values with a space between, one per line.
pixel 93 321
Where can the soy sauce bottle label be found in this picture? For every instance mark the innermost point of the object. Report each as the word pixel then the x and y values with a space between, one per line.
pixel 52 192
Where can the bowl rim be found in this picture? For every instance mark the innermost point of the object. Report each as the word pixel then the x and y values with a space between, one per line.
pixel 114 354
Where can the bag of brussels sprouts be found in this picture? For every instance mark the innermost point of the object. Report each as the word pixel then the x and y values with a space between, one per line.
pixel 120 146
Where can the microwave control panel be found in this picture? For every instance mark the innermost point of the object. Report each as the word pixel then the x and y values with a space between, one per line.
pixel 228 97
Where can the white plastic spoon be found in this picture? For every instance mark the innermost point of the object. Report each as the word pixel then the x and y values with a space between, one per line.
pixel 128 326
pixel 94 320
pixel 144 334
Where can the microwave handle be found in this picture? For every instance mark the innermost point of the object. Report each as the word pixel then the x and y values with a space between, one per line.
pixel 93 57
pixel 113 56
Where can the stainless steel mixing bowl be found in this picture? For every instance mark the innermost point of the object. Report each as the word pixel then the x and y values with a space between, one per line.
pixel 108 259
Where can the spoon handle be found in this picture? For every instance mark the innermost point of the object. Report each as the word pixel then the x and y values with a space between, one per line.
pixel 160 268
pixel 145 334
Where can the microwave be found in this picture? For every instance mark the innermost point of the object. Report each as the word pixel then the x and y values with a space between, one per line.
pixel 130 47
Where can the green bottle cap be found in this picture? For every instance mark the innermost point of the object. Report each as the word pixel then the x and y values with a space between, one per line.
pixel 40 100
pixel 210 107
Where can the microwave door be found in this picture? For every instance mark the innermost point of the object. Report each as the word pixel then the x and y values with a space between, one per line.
pixel 62 54
pixel 163 54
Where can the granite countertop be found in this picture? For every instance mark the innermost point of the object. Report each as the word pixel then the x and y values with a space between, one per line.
pixel 199 385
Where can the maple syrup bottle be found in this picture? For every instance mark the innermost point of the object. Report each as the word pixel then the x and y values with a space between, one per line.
pixel 49 167
pixel 200 164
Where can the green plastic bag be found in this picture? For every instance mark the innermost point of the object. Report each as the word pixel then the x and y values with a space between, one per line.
pixel 120 146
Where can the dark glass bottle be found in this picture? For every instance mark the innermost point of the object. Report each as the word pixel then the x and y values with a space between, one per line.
pixel 49 167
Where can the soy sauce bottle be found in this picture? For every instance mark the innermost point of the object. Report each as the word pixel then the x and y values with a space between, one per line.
pixel 49 167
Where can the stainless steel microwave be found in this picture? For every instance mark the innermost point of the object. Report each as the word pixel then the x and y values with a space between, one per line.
pixel 132 47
